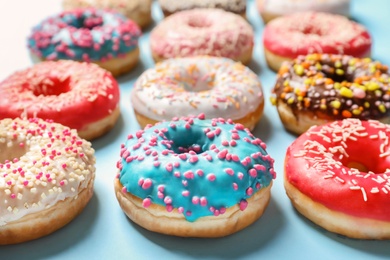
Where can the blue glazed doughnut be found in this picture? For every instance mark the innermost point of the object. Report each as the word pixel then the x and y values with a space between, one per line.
pixel 90 35
pixel 194 169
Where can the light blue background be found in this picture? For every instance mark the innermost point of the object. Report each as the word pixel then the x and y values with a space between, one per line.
pixel 103 231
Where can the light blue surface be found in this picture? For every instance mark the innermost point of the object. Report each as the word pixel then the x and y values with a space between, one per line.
pixel 103 231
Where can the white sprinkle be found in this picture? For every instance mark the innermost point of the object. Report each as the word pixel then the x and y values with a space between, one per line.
pixel 364 193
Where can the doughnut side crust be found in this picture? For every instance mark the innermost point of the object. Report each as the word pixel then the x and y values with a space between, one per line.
pixel 156 218
pixel 334 221
pixel 42 223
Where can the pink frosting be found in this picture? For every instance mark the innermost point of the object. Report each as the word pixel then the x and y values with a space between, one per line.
pixel 202 32
pixel 315 32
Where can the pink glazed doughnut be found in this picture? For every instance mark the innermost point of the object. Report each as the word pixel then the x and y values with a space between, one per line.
pixel 212 32
pixel 287 37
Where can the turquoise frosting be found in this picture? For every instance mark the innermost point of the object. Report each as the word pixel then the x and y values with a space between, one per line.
pixel 200 167
pixel 84 34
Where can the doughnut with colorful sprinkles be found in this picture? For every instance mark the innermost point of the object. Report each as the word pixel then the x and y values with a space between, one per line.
pixel 318 88
pixel 46 180
pixel 194 177
pixel 217 87
pixel 332 183
pixel 287 37
pixel 80 95
pixel 104 37
pixel 195 32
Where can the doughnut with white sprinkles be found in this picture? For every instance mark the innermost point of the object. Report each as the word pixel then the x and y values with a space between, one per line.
pixel 46 178
pixel 338 176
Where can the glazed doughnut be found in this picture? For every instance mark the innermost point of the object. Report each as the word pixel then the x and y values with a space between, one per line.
pixel 195 32
pixel 137 10
pixel 194 177
pixel 47 176
pixel 82 96
pixel 217 87
pixel 271 9
pixel 287 37
pixel 319 88
pixel 103 37
pixel 172 6
pixel 337 175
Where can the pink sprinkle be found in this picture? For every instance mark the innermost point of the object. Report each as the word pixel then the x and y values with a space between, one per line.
pixel 188 213
pixel 13 196
pixel 193 159
pixel 203 201
pixel 258 185
pixel 233 143
pixel 147 184
pixel 235 136
pixel 146 202
pixel 235 186
pixel 239 127
pixel 169 208
pixel 184 182
pixel 201 116
pixel 212 209
pixel 141 181
pixel 259 167
pixel 180 209
pixel 156 164
pixel 176 164
pixel 185 193
pixel 211 177
pixel 216 213
pixel 169 167
pixel 189 175
pixel 222 154
pixel 225 143
pixel 139 133
pixel 160 195
pixel 209 158
pixel 218 131
pixel 249 191
pixel 183 156
pixel 199 172
pixel 240 175
pixel 229 171
pixel 210 135
pixel 161 188
pixel 167 200
pixel 235 158
pixel 176 174
pixel 243 205
pixel 195 200
pixel 124 190
pixel 253 173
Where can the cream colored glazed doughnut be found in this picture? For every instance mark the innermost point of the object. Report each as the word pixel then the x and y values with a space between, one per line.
pixel 172 6
pixel 217 87
pixel 211 32
pixel 47 176
pixel 137 10
pixel 270 9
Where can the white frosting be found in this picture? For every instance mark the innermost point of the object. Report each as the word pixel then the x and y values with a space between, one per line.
pixel 47 170
pixel 217 87
pixel 283 7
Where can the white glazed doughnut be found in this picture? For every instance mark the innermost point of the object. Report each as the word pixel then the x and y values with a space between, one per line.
pixel 47 175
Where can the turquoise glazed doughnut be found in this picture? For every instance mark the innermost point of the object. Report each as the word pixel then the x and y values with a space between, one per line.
pixel 195 169
pixel 91 35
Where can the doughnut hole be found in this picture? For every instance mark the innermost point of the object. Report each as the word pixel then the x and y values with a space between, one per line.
pixel 194 80
pixel 11 150
pixel 184 141
pixel 364 156
pixel 86 22
pixel 198 22
pixel 52 86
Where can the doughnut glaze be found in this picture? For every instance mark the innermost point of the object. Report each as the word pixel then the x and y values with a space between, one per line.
pixel 313 32
pixel 328 87
pixel 217 87
pixel 71 93
pixel 42 165
pixel 211 32
pixel 195 167
pixel 326 165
